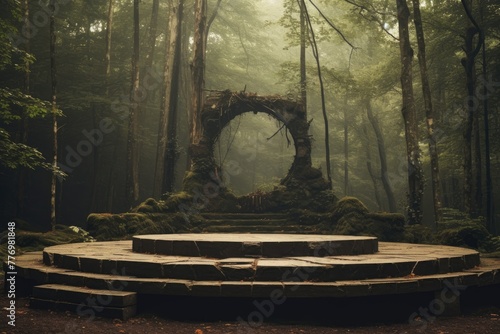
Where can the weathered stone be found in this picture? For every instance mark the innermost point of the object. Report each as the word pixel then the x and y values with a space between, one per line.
pixel 257 245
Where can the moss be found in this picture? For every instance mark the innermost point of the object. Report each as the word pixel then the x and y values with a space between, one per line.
pixel 35 241
pixel 106 226
pixel 386 226
pixel 463 233
pixel 123 226
pixel 351 217
pixel 149 205
pixel 418 234
pixel 491 255
pixel 348 206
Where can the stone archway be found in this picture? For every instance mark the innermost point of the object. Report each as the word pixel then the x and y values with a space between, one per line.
pixel 222 107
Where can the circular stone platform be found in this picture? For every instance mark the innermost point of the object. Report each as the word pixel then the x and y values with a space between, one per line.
pixel 216 245
pixel 63 274
pixel 392 260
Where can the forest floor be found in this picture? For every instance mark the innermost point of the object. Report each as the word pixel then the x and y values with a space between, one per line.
pixel 481 320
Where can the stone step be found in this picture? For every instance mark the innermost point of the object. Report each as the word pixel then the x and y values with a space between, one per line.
pixel 251 216
pixel 242 245
pixel 85 301
pixel 392 260
pixel 248 222
pixel 254 229
pixel 31 268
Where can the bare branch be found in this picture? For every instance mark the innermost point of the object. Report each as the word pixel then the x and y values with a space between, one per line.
pixel 333 26
pixel 371 17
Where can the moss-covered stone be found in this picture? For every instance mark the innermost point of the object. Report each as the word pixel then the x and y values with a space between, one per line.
pixel 351 217
pixel 463 233
pixel 123 226
pixel 28 241
pixel 150 205
pixel 418 234
pixel 348 206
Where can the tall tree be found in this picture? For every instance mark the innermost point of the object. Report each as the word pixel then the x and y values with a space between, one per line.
pixel 314 47
pixel 303 43
pixel 109 33
pixel 369 166
pixel 384 170
pixel 198 68
pixel 107 74
pixel 415 174
pixel 471 51
pixel 132 181
pixel 429 112
pixel 166 153
pixel 153 27
pixel 487 154
pixel 53 77
pixel 23 126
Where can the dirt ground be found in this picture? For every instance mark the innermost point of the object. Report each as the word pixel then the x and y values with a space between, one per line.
pixel 482 320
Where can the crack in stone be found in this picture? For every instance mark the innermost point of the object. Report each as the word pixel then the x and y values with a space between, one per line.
pixel 198 248
pixel 217 265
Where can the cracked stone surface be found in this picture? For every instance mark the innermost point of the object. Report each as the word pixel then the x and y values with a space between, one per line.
pixel 220 245
pixel 393 260
pixel 31 267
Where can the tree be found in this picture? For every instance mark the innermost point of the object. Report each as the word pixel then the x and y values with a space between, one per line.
pixel 303 43
pixel 415 177
pixel 53 77
pixel 489 181
pixel 166 153
pixel 23 126
pixel 471 204
pixel 384 170
pixel 314 46
pixel 132 181
pixel 198 68
pixel 16 104
pixel 429 112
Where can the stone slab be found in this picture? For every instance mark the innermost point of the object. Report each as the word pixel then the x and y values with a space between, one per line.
pixel 222 245
pixel 86 311
pixel 484 274
pixel 393 260
pixel 75 294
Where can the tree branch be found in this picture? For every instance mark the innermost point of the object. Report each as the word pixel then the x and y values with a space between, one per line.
pixel 333 26
pixel 480 31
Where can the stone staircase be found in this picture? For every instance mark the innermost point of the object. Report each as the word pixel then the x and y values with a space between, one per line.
pixel 251 223
pixel 109 303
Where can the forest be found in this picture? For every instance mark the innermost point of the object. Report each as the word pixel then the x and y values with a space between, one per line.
pixel 100 101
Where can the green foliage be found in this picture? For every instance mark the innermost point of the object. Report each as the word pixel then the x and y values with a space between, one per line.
pixel 106 226
pixel 463 233
pixel 351 217
pixel 28 241
pixel 15 105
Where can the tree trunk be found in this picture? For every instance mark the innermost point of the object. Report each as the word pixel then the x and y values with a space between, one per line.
pixel 53 77
pixel 23 126
pixel 314 46
pixel 198 68
pixel 107 74
pixel 132 182
pixel 384 173
pixel 490 215
pixel 107 57
pixel 429 112
pixel 415 174
pixel 303 42
pixel 369 166
pixel 166 154
pixel 470 204
pixel 153 27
